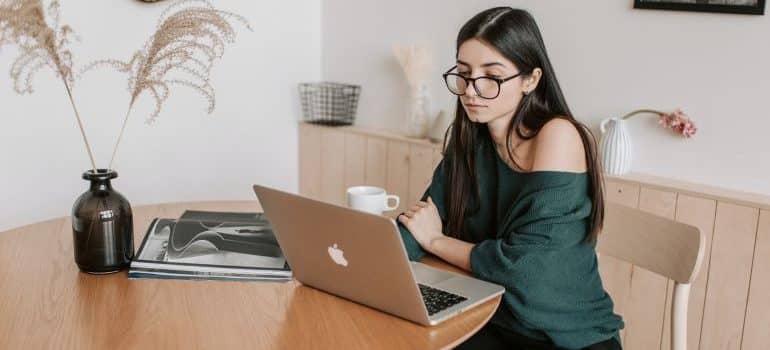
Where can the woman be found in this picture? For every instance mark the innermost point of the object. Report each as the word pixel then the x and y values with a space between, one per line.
pixel 517 199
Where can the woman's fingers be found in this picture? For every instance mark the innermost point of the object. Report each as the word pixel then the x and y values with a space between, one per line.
pixel 430 202
pixel 418 206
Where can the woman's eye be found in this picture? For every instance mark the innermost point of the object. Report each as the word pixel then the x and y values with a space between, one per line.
pixel 465 74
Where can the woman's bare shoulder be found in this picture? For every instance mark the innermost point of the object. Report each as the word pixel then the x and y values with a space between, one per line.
pixel 559 147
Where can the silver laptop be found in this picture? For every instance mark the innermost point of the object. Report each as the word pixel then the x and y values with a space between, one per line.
pixel 360 257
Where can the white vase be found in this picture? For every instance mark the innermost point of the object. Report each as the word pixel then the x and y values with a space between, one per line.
pixel 418 114
pixel 615 146
pixel 439 126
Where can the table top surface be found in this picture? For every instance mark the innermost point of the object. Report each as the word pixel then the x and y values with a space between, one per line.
pixel 46 302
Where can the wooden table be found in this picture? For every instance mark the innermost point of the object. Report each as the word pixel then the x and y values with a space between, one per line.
pixel 45 302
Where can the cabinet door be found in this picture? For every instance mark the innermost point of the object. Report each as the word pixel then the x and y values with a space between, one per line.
pixel 376 162
pixel 437 157
pixel 700 213
pixel 310 161
pixel 333 166
pixel 622 193
pixel 355 159
pixel 420 171
pixel 615 273
pixel 756 336
pixel 727 288
pixel 397 178
pixel 646 300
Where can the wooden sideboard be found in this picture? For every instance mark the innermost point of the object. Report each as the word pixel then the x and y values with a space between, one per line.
pixel 729 302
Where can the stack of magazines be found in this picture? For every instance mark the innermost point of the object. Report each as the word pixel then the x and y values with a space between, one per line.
pixel 213 246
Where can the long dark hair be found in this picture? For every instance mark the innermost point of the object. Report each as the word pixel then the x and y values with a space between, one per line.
pixel 514 33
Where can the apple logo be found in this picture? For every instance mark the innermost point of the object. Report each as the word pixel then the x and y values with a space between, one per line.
pixel 337 255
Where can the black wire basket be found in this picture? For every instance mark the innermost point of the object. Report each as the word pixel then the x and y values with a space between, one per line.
pixel 329 103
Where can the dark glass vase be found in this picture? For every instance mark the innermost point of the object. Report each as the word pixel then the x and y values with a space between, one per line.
pixel 102 226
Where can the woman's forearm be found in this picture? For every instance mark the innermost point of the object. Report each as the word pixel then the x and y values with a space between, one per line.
pixel 453 251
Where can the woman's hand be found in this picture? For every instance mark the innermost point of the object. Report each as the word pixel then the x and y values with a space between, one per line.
pixel 423 222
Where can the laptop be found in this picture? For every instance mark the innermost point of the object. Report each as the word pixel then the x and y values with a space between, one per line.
pixel 360 257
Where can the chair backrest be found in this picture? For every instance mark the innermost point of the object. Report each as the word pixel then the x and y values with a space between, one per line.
pixel 661 245
pixel 664 246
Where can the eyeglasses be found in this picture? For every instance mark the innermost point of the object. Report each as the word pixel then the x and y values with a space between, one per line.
pixel 486 87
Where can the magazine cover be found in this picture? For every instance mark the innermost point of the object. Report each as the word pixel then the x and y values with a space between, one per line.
pixel 225 239
pixel 209 249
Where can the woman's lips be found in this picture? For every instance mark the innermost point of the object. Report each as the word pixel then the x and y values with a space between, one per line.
pixel 474 106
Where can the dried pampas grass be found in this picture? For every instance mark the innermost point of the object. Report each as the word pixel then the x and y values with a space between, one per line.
pixel 181 52
pixel 23 22
pixel 416 62
pixel 191 34
pixel 41 44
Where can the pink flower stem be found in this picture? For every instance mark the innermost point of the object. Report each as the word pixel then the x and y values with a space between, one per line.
pixel 629 115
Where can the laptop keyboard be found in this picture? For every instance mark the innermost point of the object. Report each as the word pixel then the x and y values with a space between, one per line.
pixel 437 300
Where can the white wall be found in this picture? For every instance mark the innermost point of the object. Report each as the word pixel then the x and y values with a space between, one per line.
pixel 186 155
pixel 609 58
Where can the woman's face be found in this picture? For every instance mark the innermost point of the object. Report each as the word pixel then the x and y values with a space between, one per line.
pixel 476 58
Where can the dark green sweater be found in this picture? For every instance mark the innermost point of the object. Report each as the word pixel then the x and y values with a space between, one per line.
pixel 529 234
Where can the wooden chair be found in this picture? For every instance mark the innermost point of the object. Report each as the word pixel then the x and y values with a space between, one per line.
pixel 666 247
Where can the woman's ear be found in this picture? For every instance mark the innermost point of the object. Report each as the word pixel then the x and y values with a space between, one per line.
pixel 530 81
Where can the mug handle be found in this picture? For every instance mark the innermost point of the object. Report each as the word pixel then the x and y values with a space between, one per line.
pixel 388 198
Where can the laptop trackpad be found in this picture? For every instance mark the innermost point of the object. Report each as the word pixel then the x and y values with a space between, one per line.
pixel 430 276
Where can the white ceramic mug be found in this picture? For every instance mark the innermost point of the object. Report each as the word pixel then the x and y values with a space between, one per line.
pixel 370 199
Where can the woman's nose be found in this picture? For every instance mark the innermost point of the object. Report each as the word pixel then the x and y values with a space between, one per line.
pixel 470 90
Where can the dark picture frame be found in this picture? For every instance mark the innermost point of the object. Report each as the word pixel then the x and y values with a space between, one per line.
pixel 701 6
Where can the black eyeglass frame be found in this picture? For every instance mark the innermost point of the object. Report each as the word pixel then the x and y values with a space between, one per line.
pixel 472 82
